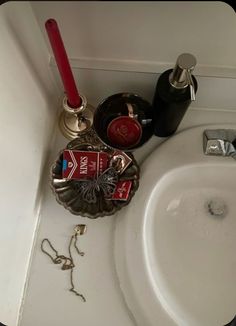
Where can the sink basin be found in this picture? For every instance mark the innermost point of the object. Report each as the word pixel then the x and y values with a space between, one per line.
pixel 175 244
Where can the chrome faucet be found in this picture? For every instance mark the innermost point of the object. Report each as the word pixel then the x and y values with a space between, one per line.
pixel 220 142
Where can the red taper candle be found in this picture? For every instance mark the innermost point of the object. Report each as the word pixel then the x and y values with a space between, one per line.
pixel 62 61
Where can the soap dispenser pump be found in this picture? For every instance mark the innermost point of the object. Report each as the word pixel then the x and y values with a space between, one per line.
pixel 175 90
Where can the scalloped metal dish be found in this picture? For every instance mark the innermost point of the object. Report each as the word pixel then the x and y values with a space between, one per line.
pixel 66 192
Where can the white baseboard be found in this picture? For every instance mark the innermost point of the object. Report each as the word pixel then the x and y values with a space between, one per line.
pixel 99 78
pixel 145 66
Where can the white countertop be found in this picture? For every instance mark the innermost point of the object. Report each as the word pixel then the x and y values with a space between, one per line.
pixel 47 300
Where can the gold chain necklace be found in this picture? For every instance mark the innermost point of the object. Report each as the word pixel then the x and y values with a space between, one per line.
pixel 67 262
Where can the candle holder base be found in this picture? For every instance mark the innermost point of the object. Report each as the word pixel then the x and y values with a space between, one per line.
pixel 74 121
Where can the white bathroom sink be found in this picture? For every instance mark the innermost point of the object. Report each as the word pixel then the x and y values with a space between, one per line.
pixel 175 244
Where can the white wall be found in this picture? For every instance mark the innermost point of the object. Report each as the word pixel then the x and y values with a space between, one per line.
pixel 123 46
pixel 145 36
pixel 27 115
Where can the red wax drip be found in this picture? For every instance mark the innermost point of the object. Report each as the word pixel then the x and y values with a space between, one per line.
pixel 62 61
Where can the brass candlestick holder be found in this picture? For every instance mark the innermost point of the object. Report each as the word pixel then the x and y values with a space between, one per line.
pixel 74 121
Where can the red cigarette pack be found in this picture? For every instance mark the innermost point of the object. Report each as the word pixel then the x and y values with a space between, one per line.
pixel 80 165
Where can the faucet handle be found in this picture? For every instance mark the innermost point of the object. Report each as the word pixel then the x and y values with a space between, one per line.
pixel 219 142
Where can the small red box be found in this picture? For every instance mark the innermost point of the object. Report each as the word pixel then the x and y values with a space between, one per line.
pixel 122 190
pixel 83 164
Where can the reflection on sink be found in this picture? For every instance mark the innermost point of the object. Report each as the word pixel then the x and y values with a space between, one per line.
pixel 175 246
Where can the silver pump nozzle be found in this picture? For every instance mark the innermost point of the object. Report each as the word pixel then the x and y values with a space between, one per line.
pixel 181 75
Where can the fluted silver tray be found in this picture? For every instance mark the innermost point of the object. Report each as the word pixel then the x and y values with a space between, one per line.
pixel 66 191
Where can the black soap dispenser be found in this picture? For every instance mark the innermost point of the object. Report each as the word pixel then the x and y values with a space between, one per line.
pixel 175 90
